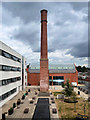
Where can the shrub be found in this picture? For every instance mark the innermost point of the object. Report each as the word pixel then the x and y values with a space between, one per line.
pixel 18 102
pixel 10 111
pixel 14 105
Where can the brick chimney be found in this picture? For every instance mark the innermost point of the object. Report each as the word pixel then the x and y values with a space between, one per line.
pixel 44 73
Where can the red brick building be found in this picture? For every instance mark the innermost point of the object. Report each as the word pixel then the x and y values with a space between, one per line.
pixel 46 74
pixel 57 74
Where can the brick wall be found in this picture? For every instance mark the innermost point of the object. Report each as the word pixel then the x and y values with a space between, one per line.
pixel 34 78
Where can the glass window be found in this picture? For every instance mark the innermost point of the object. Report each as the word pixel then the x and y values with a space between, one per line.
pixel 0 67
pixel 0 52
pixel 5 54
pixel 0 83
pixel 4 96
pixel 14 69
pixel 50 77
pixel 14 58
pixel 3 82
pixel 6 68
pixel 0 98
pixel 18 69
pixel 9 93
pixel 13 80
pixel 18 78
pixel 9 81
pixel 50 83
pixel 58 77
pixel 19 60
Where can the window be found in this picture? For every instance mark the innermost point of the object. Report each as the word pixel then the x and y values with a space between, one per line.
pixel 18 78
pixel 0 67
pixel 18 69
pixel 8 55
pixel 9 68
pixel 0 98
pixel 13 79
pixel 5 54
pixel 0 83
pixel 3 82
pixel 50 77
pixel 6 68
pixel 4 96
pixel 58 77
pixel 0 52
pixel 14 58
pixel 19 60
pixel 9 81
pixel 14 69
pixel 50 82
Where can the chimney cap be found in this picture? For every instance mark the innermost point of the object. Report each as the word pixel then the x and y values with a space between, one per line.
pixel 43 10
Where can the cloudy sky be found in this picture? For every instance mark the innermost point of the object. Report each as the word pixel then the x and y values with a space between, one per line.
pixel 67 30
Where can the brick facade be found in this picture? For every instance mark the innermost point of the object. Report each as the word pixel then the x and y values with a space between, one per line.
pixel 34 78
pixel 44 81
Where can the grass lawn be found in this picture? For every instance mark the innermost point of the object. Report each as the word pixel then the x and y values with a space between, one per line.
pixel 67 110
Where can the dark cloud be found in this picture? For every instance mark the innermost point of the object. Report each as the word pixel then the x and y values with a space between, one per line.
pixel 79 5
pixel 80 50
pixel 67 25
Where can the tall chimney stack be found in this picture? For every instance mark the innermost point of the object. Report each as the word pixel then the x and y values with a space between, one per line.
pixel 44 73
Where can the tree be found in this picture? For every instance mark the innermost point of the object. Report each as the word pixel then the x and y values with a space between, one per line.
pixel 68 89
pixel 63 85
pixel 27 66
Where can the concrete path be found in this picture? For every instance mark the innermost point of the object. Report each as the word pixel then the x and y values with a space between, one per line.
pixel 82 94
pixel 19 113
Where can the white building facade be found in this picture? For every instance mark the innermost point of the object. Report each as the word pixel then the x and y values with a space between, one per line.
pixel 24 73
pixel 10 73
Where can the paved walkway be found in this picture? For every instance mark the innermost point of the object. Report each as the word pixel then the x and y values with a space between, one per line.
pixel 19 113
pixel 82 94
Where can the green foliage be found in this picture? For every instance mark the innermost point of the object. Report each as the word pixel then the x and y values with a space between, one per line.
pixel 82 69
pixel 59 109
pixel 67 84
pixel 68 89
pixel 27 66
pixel 63 85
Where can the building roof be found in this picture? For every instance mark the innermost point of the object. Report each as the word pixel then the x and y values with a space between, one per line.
pixel 55 68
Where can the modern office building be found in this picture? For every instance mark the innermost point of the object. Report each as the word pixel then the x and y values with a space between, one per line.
pixel 24 73
pixel 10 73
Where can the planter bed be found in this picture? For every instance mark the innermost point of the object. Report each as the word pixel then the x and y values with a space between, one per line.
pixel 70 101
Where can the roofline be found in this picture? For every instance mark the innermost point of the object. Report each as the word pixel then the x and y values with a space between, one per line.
pixel 10 48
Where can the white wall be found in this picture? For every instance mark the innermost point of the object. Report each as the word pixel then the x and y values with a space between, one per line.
pixel 10 74
pixel 24 72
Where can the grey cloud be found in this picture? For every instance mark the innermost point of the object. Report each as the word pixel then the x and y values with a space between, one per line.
pixel 63 33
pixel 80 50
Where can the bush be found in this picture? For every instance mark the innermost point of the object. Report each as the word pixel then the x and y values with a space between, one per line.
pixel 14 105
pixel 23 97
pixel 26 93
pixel 18 102
pixel 10 111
